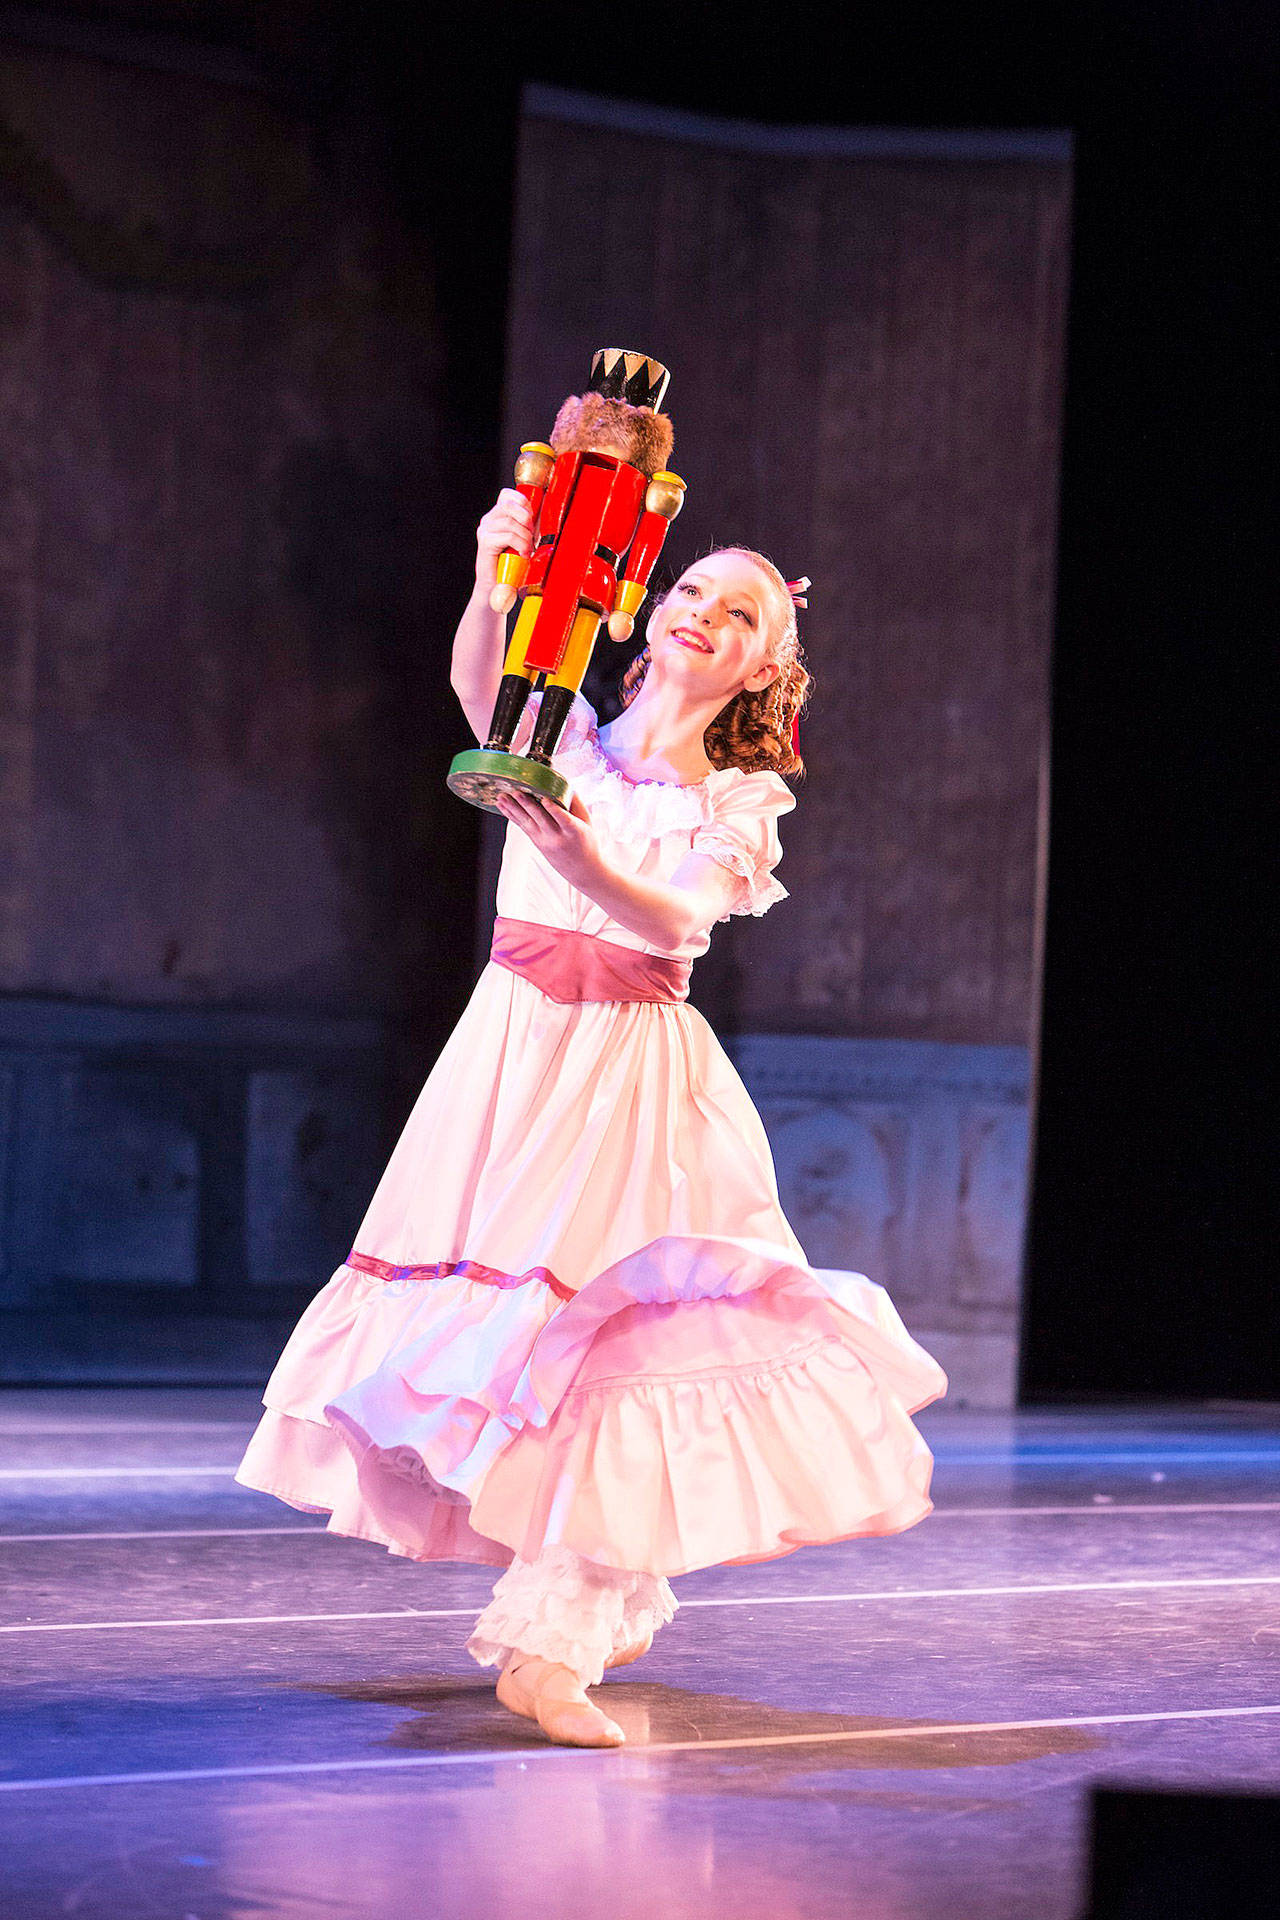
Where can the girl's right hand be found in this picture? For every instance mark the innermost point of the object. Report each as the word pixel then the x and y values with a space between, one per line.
pixel 507 525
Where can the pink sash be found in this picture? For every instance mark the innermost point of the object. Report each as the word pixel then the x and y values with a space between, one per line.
pixel 570 966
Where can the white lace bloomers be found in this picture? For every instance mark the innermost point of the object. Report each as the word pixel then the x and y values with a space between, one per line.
pixel 566 1608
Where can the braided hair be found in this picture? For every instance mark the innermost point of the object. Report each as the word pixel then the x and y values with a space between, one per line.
pixel 755 731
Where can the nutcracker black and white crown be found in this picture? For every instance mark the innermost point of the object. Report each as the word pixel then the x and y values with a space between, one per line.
pixel 619 374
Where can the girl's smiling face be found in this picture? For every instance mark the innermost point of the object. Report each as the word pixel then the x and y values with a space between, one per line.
pixel 712 631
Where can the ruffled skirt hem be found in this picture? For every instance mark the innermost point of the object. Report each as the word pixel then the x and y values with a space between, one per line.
pixel 311 1467
pixel 701 1402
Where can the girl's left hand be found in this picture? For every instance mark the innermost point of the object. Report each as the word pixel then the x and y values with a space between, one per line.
pixel 566 841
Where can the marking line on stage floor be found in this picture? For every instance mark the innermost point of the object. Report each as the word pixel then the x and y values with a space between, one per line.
pixel 1011 1458
pixel 939 1513
pixel 179 1533
pixel 16 1429
pixel 1016 1456
pixel 522 1755
pixel 1197 1583
pixel 1108 1505
pixel 117 1473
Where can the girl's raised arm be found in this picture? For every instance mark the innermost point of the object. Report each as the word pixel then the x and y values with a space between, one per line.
pixel 481 639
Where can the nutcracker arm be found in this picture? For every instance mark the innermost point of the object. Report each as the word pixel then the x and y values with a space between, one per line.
pixel 663 500
pixel 533 472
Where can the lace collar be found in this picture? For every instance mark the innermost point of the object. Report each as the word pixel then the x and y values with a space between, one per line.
pixel 635 809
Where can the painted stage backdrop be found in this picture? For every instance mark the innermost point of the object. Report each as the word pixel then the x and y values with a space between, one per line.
pixel 247 425
pixel 220 414
pixel 865 337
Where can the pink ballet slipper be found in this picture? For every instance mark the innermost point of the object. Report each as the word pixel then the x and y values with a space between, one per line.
pixel 555 1697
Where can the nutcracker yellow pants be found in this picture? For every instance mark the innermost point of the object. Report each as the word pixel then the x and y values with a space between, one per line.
pixel 572 668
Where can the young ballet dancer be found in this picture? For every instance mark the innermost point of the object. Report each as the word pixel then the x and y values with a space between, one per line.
pixel 576 1337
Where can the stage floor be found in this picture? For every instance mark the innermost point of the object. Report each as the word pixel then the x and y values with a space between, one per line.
pixel 213 1710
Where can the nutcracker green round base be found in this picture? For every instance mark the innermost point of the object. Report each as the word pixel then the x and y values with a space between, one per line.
pixel 482 774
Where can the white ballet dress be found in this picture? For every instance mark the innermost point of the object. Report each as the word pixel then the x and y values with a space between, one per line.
pixel 575 1327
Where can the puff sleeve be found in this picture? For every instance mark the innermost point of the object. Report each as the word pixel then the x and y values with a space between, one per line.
pixel 742 835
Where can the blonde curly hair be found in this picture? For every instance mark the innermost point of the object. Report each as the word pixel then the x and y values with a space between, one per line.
pixel 754 731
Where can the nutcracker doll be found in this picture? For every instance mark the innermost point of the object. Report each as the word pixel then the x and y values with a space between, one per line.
pixel 599 490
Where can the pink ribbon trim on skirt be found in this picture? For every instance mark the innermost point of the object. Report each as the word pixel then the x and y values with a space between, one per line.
pixel 571 967
pixel 446 1269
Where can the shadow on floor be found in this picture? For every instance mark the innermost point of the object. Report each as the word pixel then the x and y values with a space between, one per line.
pixel 456 1715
